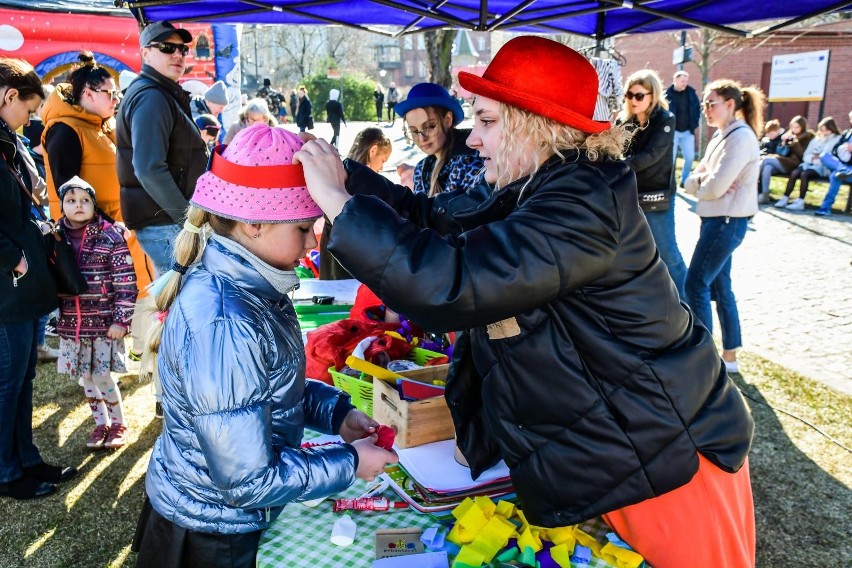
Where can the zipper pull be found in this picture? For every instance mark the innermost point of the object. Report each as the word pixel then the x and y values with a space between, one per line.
pixel 14 280
pixel 267 514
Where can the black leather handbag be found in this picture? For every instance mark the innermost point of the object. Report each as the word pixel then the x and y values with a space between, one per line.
pixel 62 263
pixel 61 260
pixel 655 200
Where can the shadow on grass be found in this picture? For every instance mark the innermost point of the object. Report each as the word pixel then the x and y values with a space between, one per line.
pixel 803 513
pixel 801 481
pixel 90 521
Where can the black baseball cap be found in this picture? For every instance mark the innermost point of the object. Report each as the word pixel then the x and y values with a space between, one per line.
pixel 159 31
pixel 203 121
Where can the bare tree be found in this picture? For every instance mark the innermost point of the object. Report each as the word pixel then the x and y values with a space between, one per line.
pixel 296 52
pixel 439 48
pixel 295 49
pixel 351 49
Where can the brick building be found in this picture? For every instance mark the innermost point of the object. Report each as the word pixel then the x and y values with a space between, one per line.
pixel 405 61
pixel 749 61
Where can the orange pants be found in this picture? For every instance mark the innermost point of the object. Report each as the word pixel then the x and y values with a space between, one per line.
pixel 709 522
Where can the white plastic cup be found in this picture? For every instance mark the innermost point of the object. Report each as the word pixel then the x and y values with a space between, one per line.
pixel 343 531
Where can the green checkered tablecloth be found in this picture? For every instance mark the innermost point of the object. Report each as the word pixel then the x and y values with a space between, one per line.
pixel 300 537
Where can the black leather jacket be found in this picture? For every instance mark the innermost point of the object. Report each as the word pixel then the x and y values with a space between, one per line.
pixel 580 367
pixel 33 294
pixel 160 153
pixel 650 151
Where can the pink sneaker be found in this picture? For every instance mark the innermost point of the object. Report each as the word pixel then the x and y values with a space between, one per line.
pixel 117 436
pixel 98 437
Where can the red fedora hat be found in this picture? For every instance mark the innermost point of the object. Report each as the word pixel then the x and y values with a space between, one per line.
pixel 544 77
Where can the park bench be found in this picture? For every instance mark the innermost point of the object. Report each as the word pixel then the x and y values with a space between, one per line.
pixel 824 180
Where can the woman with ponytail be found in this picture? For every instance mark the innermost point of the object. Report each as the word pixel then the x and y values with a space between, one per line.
pixel 724 184
pixel 232 364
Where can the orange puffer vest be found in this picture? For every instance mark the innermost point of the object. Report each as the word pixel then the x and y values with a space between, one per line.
pixel 97 138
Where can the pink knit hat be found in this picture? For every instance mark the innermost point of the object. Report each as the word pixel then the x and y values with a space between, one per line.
pixel 253 180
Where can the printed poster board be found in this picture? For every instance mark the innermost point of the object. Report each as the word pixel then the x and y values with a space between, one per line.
pixel 798 76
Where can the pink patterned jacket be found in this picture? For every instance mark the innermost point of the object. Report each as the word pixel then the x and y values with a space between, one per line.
pixel 106 263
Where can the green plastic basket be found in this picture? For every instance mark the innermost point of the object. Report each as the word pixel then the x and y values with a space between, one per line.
pixel 311 316
pixel 361 389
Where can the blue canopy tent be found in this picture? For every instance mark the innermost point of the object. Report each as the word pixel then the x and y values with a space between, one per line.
pixel 598 19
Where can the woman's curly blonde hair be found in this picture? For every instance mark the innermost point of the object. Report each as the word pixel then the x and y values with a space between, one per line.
pixel 529 139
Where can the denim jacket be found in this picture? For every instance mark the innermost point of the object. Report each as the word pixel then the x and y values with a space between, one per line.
pixel 236 403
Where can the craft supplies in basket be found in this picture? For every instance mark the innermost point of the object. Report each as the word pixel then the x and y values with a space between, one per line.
pixel 361 388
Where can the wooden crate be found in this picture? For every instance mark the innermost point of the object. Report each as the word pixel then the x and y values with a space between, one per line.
pixel 416 422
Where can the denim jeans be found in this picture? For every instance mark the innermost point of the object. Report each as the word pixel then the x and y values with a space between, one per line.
pixel 768 166
pixel 831 161
pixel 662 225
pixel 158 242
pixel 41 323
pixel 834 165
pixel 709 275
pixel 686 142
pixel 18 360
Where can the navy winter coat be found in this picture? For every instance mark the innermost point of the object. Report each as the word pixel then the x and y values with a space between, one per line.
pixel 34 294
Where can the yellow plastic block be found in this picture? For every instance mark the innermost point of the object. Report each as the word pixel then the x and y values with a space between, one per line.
pixel 523 519
pixel 500 528
pixel 460 535
pixel 471 517
pixel 487 547
pixel 623 558
pixel 505 509
pixel 463 507
pixel 561 554
pixel 485 504
pixel 493 537
pixel 529 538
pixel 469 556
pixel 562 535
pixel 588 541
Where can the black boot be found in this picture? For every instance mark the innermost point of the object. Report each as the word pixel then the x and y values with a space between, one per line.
pixel 26 488
pixel 50 473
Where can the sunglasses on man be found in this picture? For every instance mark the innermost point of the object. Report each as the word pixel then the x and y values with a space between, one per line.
pixel 169 48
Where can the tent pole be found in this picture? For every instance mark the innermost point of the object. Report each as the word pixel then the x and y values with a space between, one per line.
pixel 434 15
pixel 542 19
pixel 600 32
pixel 826 10
pixel 678 18
pixel 509 15
pixel 416 21
pixel 483 14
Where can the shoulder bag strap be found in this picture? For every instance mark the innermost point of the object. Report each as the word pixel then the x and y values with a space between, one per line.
pixel 24 188
pixel 723 139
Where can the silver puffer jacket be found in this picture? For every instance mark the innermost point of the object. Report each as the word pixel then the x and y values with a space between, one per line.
pixel 236 403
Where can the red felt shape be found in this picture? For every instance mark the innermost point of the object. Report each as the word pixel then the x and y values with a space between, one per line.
pixel 386 437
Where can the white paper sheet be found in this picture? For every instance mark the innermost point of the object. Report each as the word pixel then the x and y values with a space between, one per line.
pixel 343 290
pixel 434 466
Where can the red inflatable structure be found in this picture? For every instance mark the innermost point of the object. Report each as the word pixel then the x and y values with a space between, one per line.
pixel 50 42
